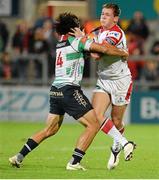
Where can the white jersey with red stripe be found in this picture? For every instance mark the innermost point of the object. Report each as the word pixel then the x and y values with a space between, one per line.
pixel 112 67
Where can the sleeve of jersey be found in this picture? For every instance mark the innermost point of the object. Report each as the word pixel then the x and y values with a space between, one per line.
pixel 81 44
pixel 113 37
pixel 84 44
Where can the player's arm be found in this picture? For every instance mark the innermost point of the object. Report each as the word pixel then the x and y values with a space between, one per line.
pixel 105 48
pixel 108 49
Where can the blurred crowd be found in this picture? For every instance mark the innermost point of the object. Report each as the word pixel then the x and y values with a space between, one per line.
pixel 41 38
pixel 38 39
pixel 138 36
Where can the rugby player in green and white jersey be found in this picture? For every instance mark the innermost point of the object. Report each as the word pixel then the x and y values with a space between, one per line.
pixel 66 95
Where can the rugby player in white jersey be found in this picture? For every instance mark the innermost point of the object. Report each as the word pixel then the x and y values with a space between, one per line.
pixel 114 84
pixel 66 95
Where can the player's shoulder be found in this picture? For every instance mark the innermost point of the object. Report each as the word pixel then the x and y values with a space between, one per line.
pixel 97 30
pixel 73 40
pixel 116 32
pixel 116 28
pixel 94 33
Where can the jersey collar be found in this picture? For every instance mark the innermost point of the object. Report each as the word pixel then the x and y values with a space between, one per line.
pixel 64 37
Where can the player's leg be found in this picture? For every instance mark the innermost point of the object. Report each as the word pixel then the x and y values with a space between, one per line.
pixel 117 114
pixel 81 109
pixel 117 118
pixel 120 97
pixel 116 147
pixel 92 126
pixel 101 101
pixel 53 124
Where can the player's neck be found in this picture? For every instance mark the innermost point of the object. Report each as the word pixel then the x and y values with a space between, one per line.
pixel 109 27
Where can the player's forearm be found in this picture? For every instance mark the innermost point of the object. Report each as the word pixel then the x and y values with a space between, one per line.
pixel 108 49
pixel 117 52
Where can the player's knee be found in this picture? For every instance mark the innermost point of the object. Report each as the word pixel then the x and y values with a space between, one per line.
pixel 94 126
pixel 97 126
pixel 100 117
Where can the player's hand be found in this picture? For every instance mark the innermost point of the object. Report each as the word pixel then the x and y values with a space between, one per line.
pixel 77 32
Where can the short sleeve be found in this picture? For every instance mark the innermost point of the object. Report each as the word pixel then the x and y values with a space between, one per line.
pixel 113 37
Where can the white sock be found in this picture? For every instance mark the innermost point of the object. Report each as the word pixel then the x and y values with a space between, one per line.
pixel 109 128
pixel 116 144
pixel 116 135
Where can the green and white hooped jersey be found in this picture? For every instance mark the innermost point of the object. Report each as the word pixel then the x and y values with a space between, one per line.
pixel 69 60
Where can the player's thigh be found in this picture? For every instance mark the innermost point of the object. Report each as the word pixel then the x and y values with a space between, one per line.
pixel 117 112
pixel 100 102
pixel 121 90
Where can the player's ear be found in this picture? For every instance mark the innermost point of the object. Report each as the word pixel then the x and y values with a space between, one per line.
pixel 116 19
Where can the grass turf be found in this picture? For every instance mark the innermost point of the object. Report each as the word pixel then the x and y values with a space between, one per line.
pixel 48 161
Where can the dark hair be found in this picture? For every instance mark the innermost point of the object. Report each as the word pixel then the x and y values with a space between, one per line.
pixel 65 22
pixel 115 8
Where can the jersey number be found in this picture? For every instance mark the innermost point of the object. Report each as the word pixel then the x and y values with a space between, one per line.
pixel 59 60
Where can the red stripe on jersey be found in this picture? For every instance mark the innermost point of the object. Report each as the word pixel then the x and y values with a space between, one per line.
pixel 64 37
pixel 129 92
pixel 117 29
pixel 114 40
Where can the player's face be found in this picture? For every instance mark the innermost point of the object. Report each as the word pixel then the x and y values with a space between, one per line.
pixel 107 18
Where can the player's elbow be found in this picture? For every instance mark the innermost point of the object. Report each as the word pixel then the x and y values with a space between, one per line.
pixel 126 54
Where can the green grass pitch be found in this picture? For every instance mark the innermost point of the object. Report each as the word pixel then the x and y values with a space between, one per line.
pixel 48 161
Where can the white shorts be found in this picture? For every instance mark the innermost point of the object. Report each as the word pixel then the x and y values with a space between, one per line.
pixel 120 90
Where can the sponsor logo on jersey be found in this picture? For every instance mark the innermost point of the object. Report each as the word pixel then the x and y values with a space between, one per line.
pixel 120 99
pixel 110 41
pixel 114 34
